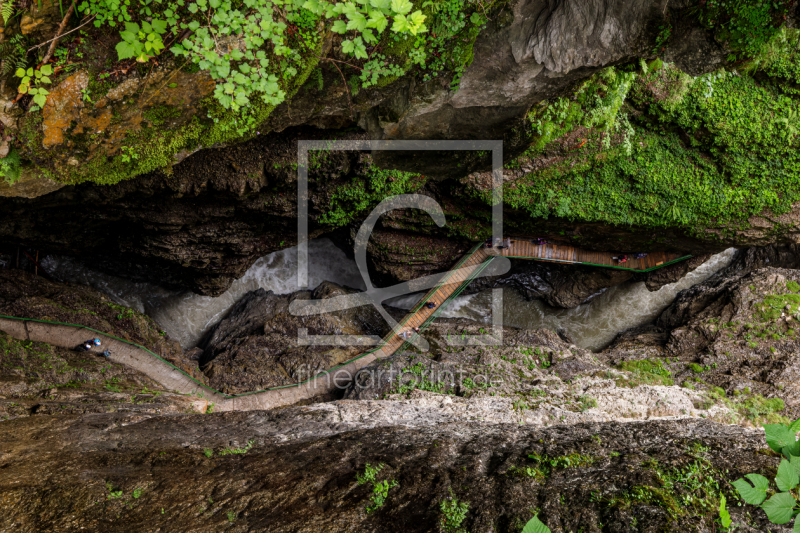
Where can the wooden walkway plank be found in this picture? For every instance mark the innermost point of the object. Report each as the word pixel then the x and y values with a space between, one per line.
pixel 521 248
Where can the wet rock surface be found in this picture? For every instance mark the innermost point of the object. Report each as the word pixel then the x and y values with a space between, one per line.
pixel 257 347
pixel 735 336
pixel 299 473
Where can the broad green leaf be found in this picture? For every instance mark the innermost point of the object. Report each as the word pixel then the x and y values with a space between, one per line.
pixel 417 18
pixel 381 4
pixel 125 50
pixel 47 70
pixel 795 426
pixel 401 6
pixel 146 27
pixel 724 515
pixel 369 37
pixel 796 528
pixel 357 22
pixel 535 525
pixel 339 26
pixel 214 3
pixel 779 436
pixel 377 21
pixel 752 494
pixel 793 450
pixel 40 100
pixel 348 47
pixel 159 26
pixel 20 73
pixel 128 36
pixel 44 79
pixel 400 24
pixel 779 507
pixel 360 49
pixel 313 6
pixel 131 27
pixel 787 477
pixel 30 72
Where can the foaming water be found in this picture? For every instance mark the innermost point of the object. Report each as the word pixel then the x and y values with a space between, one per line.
pixel 592 325
pixel 187 316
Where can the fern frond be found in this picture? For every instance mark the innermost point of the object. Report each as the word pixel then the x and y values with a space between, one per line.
pixel 6 9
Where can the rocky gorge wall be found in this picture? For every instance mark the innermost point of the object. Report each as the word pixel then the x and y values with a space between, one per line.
pixel 591 105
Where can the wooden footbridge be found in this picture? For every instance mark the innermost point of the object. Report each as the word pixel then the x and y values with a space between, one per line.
pixel 479 257
pixel 325 384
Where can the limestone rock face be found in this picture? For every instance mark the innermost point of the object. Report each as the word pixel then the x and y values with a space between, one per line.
pixel 179 486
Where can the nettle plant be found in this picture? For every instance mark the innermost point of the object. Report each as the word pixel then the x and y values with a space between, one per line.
pixel 782 505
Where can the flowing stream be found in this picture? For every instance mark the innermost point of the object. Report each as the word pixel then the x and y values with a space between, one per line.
pixel 187 316
pixel 592 325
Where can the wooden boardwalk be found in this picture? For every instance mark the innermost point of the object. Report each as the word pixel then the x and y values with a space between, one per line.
pixel 439 294
pixel 521 248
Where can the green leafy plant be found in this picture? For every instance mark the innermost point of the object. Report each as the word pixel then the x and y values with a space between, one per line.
pixel 535 525
pixel 380 489
pixel 453 514
pixel 6 10
pixel 724 515
pixel 234 451
pixel 30 81
pixel 142 42
pixel 782 506
pixel 10 167
pixel 13 52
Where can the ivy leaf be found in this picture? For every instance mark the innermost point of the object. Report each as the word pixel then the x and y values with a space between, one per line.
pixel 535 525
pixel 754 494
pixel 787 477
pixel 779 436
pixel 125 50
pixel 378 21
pixel 339 27
pixel 401 6
pixel 779 508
